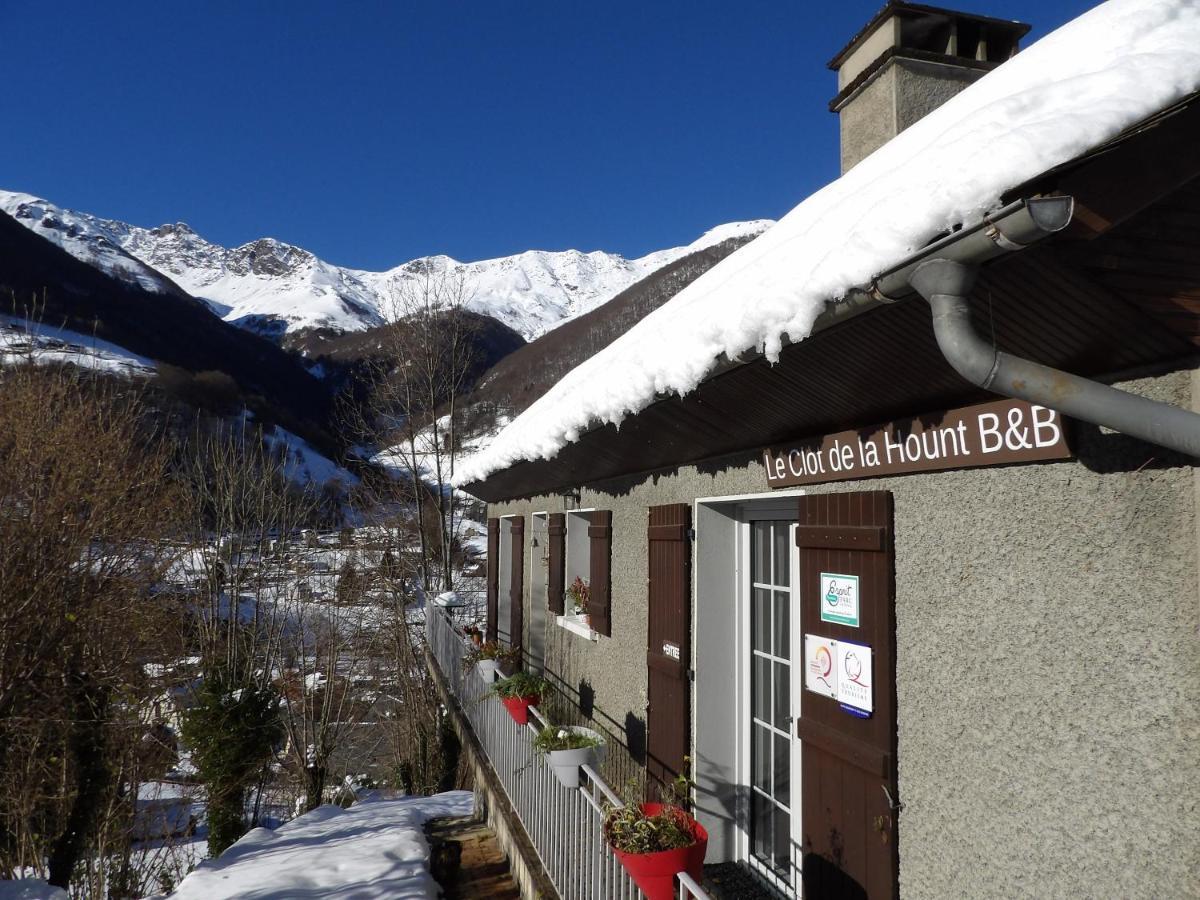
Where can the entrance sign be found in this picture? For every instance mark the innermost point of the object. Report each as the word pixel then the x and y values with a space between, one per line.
pixel 839 599
pixel 990 434
pixel 854 677
pixel 839 670
pixel 820 665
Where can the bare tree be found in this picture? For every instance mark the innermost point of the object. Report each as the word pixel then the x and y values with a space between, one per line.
pixel 428 355
pixel 244 513
pixel 425 749
pixel 265 624
pixel 85 500
pixel 332 652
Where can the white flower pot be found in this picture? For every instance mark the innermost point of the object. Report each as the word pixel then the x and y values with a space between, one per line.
pixel 566 763
pixel 487 669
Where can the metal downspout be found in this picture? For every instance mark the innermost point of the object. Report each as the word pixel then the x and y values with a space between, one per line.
pixel 946 285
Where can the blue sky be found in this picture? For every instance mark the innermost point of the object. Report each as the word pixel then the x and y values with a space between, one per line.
pixel 372 133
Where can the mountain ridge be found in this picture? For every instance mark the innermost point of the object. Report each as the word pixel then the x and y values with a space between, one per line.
pixel 277 289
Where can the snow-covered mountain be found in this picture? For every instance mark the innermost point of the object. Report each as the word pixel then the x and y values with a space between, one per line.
pixel 535 291
pixel 272 287
pixel 84 237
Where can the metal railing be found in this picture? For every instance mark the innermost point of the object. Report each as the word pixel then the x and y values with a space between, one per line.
pixel 563 824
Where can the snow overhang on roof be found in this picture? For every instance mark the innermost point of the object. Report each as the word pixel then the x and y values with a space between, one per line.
pixel 1062 97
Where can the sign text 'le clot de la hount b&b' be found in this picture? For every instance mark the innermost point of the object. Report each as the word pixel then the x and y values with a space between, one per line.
pixel 990 434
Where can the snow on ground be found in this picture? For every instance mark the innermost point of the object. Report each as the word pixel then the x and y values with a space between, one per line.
pixel 30 889
pixel 400 460
pixel 22 340
pixel 167 809
pixel 374 849
pixel 305 465
pixel 1065 94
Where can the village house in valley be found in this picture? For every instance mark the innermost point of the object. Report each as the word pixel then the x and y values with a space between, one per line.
pixel 888 522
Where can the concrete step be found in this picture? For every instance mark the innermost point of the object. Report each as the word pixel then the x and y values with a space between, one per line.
pixel 466 861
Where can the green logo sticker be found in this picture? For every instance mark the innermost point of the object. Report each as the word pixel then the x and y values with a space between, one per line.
pixel 839 599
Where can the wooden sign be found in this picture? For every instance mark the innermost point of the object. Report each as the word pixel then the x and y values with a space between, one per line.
pixel 990 434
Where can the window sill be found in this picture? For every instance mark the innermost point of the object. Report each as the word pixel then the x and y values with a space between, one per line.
pixel 576 625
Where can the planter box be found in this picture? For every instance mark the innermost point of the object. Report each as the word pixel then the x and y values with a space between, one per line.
pixel 487 669
pixel 566 763
pixel 655 873
pixel 518 707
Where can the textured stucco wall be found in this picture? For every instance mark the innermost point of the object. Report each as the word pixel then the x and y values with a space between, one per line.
pixel 868 120
pixel 922 87
pixel 902 92
pixel 1048 663
pixel 1049 676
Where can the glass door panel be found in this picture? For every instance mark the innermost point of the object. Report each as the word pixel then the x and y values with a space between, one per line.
pixel 770 726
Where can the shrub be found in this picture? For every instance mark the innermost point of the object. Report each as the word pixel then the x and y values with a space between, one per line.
pixel 490 650
pixel 631 830
pixel 522 684
pixel 232 731
pixel 552 738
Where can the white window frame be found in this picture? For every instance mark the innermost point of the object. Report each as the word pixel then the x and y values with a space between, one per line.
pixel 537 571
pixel 570 621
pixel 503 584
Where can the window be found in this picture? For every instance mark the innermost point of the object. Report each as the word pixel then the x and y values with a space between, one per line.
pixel 538 568
pixel 506 575
pixel 770 697
pixel 577 575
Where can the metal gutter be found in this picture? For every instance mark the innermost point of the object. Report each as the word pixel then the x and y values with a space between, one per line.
pixel 1012 227
pixel 946 284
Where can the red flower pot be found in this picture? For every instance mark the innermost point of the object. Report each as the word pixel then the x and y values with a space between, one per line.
pixel 655 873
pixel 518 707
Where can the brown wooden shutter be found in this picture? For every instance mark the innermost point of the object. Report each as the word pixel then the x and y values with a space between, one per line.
pixel 600 586
pixel 848 768
pixel 516 587
pixel 556 534
pixel 669 635
pixel 493 576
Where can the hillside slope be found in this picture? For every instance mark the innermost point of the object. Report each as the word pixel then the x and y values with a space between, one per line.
pixel 165 326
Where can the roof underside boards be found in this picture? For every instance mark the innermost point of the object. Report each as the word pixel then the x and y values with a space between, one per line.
pixel 1125 300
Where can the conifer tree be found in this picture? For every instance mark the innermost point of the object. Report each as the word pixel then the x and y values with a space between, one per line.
pixel 233 730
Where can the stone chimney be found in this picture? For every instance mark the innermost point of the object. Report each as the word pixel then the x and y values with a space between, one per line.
pixel 907 61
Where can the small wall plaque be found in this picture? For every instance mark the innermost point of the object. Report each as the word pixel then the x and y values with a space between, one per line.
pixel 839 599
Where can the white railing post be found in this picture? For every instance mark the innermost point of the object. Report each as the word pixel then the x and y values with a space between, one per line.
pixel 564 826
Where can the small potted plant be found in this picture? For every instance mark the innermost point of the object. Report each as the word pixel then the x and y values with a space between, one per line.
pixel 518 693
pixel 578 592
pixel 657 841
pixel 488 657
pixel 568 747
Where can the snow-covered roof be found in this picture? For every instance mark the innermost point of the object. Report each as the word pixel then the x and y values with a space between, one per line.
pixel 1069 92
